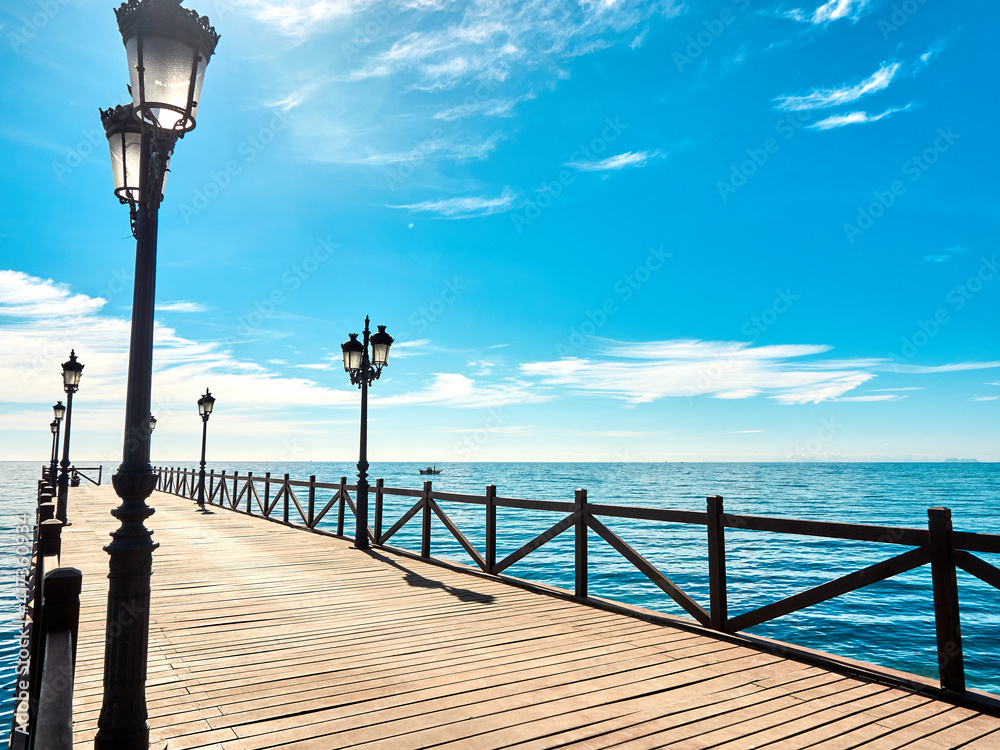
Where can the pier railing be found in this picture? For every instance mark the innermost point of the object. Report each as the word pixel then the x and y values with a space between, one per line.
pixel 938 545
pixel 43 700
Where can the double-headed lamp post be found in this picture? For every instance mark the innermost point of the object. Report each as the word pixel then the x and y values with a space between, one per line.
pixel 168 48
pixel 364 371
pixel 205 405
pixel 71 371
pixel 59 411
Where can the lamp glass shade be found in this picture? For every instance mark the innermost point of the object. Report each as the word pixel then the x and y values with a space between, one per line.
pixel 206 403
pixel 59 411
pixel 152 423
pixel 72 370
pixel 168 48
pixel 380 342
pixel 54 426
pixel 126 147
pixel 353 351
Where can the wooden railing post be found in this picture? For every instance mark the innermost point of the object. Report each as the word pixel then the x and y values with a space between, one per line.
pixel 267 494
pixel 236 494
pixel 718 604
pixel 425 533
pixel 222 486
pixel 249 491
pixel 285 510
pixel 581 543
pixel 951 665
pixel 312 501
pixel 379 486
pixel 491 528
pixel 211 485
pixel 341 505
pixel 60 618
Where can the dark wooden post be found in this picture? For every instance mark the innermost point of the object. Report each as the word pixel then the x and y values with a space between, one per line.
pixel 951 664
pixel 491 528
pixel 211 485
pixel 222 486
pixel 341 505
pixel 61 606
pixel 312 501
pixel 49 537
pixel 581 543
pixel 379 487
pixel 46 511
pixel 718 605
pixel 232 500
pixel 285 509
pixel 425 534
pixel 249 491
pixel 267 494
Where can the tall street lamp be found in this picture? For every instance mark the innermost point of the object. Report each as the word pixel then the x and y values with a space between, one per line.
pixel 364 371
pixel 205 405
pixel 71 371
pixel 59 411
pixel 168 48
pixel 152 424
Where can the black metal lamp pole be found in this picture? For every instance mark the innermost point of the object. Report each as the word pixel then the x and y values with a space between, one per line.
pixel 142 136
pixel 205 405
pixel 59 411
pixel 72 370
pixel 364 371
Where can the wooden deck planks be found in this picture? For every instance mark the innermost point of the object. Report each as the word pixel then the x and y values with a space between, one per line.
pixel 262 636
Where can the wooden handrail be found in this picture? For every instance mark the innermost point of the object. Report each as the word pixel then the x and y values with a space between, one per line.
pixel 938 545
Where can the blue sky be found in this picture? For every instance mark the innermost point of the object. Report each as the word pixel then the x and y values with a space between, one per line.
pixel 598 231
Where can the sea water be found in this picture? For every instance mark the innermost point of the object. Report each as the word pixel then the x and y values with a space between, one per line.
pixel 890 623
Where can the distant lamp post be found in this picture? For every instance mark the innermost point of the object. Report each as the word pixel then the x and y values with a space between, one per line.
pixel 205 405
pixel 152 424
pixel 364 371
pixel 168 48
pixel 59 411
pixel 71 371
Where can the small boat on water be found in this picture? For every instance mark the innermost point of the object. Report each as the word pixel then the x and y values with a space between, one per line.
pixel 431 470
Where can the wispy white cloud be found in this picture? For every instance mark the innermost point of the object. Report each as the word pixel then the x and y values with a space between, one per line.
pixel 985 398
pixel 833 10
pixel 493 107
pixel 947 254
pixel 455 389
pixel 619 161
pixel 931 369
pixel 24 296
pixel 465 207
pixel 728 370
pixel 823 98
pixel 855 118
pixel 872 397
pixel 183 306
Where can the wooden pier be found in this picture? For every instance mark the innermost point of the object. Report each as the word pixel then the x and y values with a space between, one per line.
pixel 266 636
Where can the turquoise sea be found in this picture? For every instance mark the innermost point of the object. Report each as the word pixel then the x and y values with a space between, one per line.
pixel 890 623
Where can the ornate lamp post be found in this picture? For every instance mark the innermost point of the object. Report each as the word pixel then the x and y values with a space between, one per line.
pixel 205 405
pixel 59 411
pixel 364 371
pixel 168 48
pixel 152 424
pixel 71 371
